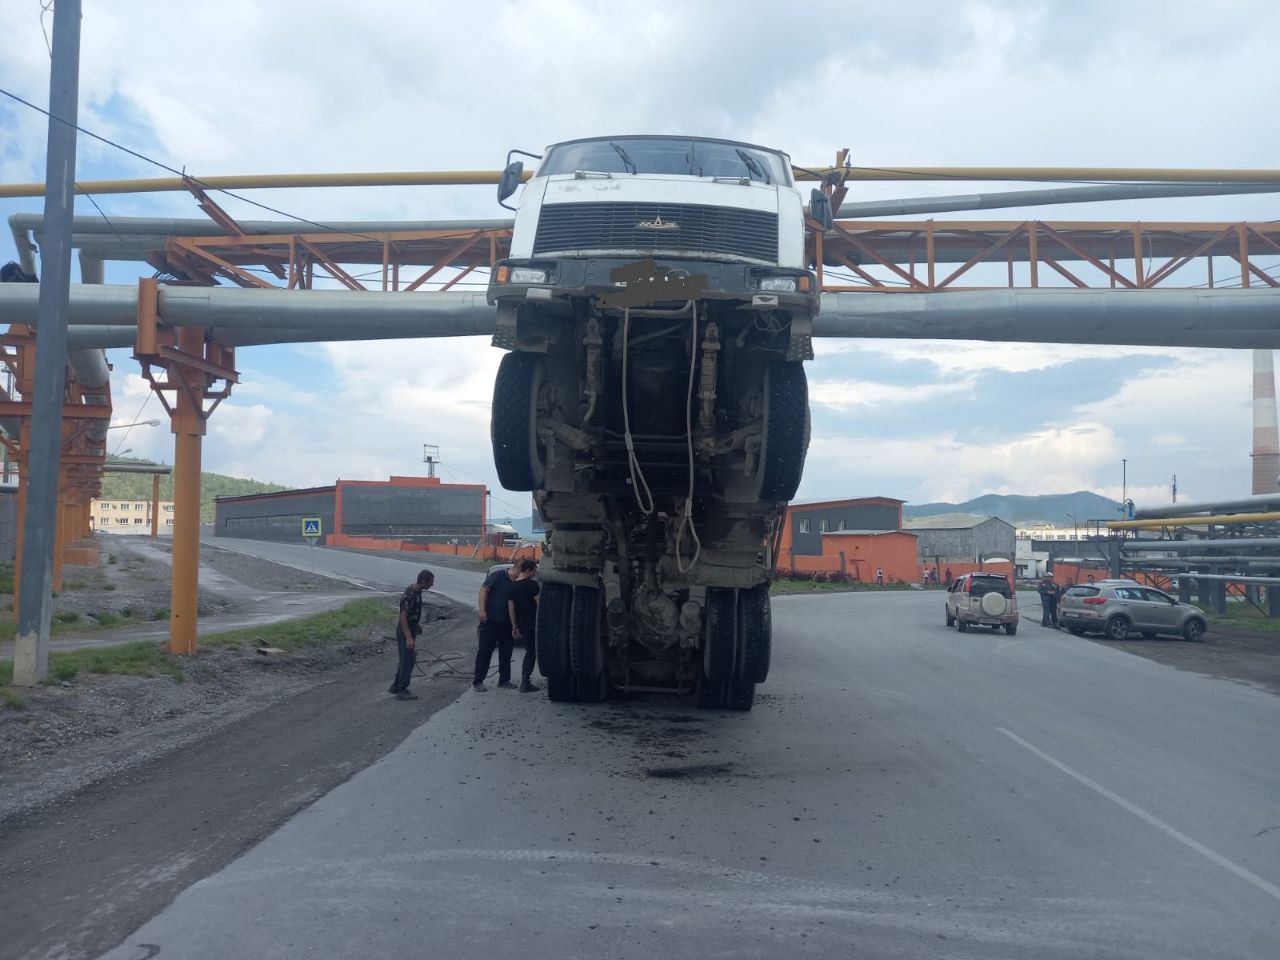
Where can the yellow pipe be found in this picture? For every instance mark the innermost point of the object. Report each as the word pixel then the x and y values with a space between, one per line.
pixel 1193 521
pixel 422 178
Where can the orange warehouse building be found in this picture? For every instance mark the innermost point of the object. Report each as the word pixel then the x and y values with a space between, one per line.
pixel 860 554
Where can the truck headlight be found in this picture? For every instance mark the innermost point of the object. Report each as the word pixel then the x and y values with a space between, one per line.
pixel 528 275
pixel 778 284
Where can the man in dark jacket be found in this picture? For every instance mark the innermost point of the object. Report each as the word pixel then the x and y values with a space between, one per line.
pixel 522 606
pixel 495 627
pixel 408 629
pixel 1049 594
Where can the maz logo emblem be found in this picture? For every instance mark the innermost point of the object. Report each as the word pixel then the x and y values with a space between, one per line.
pixel 657 223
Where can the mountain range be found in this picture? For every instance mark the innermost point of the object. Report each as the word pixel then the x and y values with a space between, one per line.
pixel 1060 509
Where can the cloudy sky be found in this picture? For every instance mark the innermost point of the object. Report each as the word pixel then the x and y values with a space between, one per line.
pixel 241 86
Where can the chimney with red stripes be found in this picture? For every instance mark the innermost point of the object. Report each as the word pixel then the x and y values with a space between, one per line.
pixel 1266 443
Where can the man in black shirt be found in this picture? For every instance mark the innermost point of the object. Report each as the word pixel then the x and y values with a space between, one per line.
pixel 522 608
pixel 495 627
pixel 407 632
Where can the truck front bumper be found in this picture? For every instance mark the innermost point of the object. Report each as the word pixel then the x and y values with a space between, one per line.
pixel 668 282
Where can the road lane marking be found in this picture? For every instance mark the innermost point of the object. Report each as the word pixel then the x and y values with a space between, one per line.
pixel 1007 643
pixel 1137 811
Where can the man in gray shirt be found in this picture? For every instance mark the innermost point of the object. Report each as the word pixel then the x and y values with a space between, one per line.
pixel 495 627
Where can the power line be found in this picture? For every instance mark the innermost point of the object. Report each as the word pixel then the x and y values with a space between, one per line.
pixel 181 173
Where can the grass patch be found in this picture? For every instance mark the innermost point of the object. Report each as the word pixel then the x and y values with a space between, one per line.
pixel 69 616
pixel 145 658
pixel 1241 616
pixel 6 578
pixel 12 700
pixel 321 629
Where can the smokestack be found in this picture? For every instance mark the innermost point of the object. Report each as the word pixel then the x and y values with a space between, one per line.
pixel 1266 443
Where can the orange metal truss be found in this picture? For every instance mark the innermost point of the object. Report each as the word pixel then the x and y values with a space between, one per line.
pixel 922 256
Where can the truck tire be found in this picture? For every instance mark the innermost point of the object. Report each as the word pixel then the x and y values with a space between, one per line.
pixel 552 639
pixel 962 625
pixel 755 633
pixel 586 651
pixel 719 649
pixel 513 422
pixel 786 431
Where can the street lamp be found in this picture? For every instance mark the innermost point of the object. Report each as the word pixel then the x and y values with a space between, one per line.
pixel 136 423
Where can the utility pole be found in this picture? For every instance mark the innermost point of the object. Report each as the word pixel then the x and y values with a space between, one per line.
pixel 1175 488
pixel 1124 485
pixel 35 598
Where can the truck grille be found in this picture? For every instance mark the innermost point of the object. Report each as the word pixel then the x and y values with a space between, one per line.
pixel 698 229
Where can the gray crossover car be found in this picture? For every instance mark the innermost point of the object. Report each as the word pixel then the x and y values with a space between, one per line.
pixel 1118 608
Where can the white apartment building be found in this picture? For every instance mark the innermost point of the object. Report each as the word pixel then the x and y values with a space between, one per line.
pixel 129 516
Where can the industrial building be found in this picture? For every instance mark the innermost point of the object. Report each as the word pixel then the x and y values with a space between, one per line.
pixel 420 510
pixel 129 516
pixel 962 538
pixel 858 538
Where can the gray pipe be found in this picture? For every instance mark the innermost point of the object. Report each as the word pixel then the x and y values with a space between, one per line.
pixel 1231 578
pixel 1175 318
pixel 1035 198
pixel 1188 546
pixel 160 468
pixel 1263 502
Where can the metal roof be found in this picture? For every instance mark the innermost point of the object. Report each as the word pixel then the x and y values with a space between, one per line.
pixel 948 521
pixel 861 533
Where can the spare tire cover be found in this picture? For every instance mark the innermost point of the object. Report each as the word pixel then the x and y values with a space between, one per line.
pixel 994 605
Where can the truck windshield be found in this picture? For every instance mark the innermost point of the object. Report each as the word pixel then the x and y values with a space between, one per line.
pixel 698 158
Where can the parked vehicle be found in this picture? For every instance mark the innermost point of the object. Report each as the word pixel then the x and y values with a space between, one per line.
pixel 1118 608
pixel 982 599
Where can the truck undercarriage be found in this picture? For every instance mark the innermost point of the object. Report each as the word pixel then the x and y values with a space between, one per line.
pixel 662 439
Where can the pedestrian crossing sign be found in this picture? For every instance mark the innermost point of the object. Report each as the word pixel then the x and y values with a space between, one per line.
pixel 311 526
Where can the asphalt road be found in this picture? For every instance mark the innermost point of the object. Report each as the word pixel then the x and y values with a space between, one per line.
pixel 360 569
pixel 900 790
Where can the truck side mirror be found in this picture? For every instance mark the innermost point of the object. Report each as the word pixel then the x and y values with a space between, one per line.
pixel 820 208
pixel 509 181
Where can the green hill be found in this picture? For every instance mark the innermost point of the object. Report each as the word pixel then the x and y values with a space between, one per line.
pixel 137 486
pixel 1057 508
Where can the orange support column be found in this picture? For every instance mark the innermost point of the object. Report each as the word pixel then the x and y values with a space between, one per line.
pixel 191 364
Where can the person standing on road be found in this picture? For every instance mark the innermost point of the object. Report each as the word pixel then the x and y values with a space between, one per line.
pixel 495 627
pixel 1048 591
pixel 407 632
pixel 522 610
pixel 880 576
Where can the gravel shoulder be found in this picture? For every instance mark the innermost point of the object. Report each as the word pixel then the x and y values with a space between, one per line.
pixel 1226 652
pixel 116 793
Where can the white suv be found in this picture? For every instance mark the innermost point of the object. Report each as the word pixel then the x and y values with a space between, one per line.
pixel 982 599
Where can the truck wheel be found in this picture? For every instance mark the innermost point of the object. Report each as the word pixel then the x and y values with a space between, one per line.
pixel 786 431
pixel 951 621
pixel 552 639
pixel 755 633
pixel 513 422
pixel 719 649
pixel 1010 628
pixel 962 626
pixel 586 653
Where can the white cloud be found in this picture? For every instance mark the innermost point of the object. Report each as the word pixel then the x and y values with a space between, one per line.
pixel 323 85
pixel 851 394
